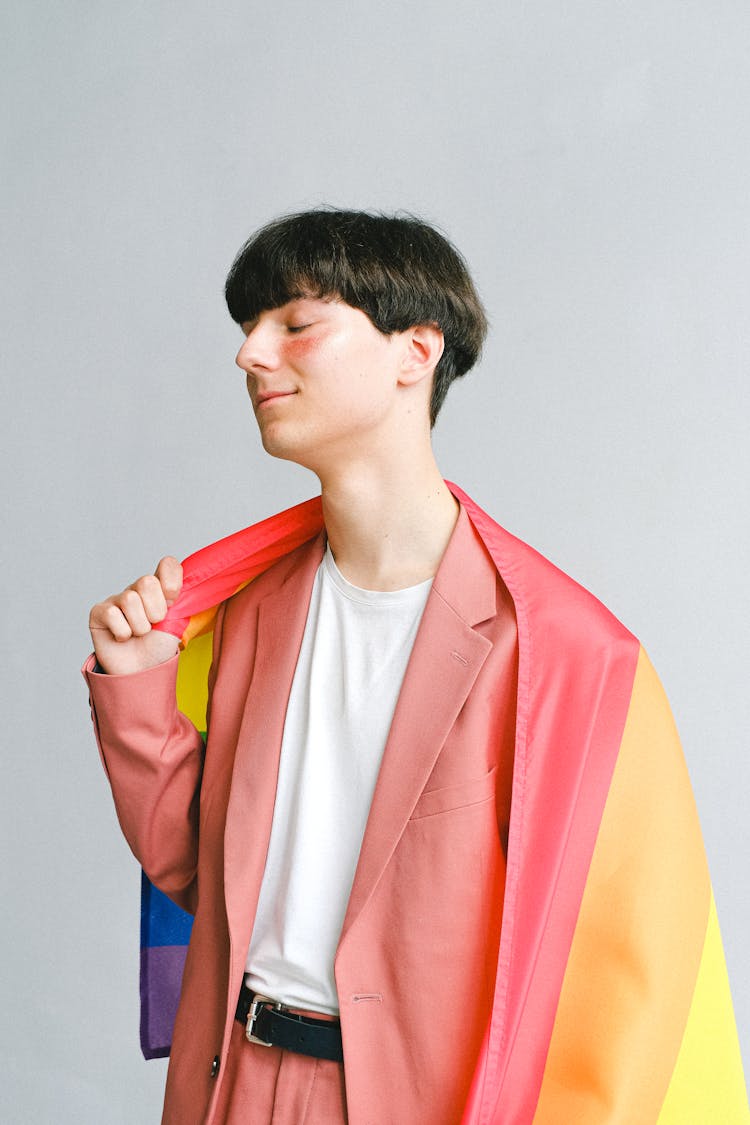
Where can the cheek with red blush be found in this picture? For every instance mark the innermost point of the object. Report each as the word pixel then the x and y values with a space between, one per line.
pixel 299 347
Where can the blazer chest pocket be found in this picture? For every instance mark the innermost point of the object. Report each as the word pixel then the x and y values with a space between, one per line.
pixel 471 792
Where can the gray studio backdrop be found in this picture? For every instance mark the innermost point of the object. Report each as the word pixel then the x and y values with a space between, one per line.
pixel 591 160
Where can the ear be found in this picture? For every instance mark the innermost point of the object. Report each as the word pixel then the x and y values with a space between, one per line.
pixel 423 347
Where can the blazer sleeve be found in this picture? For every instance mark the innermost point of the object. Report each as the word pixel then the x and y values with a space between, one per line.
pixel 153 757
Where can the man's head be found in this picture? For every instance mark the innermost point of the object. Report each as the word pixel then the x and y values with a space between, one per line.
pixel 399 271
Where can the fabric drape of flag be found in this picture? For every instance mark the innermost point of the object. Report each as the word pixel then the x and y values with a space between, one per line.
pixel 612 999
pixel 210 576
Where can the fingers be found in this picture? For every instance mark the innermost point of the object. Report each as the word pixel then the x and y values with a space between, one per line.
pixel 132 612
pixel 123 616
pixel 149 603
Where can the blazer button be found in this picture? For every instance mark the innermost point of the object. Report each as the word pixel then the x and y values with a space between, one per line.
pixel 215 1066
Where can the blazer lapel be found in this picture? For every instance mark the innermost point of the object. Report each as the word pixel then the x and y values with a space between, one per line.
pixel 281 625
pixel 447 656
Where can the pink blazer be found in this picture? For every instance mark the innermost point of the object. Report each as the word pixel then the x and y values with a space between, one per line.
pixel 417 957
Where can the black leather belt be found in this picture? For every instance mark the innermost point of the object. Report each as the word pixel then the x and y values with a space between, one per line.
pixel 272 1025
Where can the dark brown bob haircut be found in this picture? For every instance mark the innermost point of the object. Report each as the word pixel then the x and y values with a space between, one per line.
pixel 398 270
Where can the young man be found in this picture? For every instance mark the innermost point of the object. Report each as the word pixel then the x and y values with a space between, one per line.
pixel 440 847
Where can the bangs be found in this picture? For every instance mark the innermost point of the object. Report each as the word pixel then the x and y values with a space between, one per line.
pixel 256 286
pixel 284 262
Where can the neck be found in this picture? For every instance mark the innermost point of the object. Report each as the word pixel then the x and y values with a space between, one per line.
pixel 388 527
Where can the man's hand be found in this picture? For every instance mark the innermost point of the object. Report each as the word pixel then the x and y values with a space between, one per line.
pixel 120 627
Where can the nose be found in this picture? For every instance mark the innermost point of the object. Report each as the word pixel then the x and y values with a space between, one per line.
pixel 258 351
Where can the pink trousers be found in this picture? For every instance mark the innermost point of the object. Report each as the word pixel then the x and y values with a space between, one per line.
pixel 270 1086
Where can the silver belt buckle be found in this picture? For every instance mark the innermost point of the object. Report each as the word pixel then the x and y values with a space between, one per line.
pixel 257 1003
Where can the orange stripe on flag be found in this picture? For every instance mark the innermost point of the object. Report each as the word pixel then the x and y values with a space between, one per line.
pixel 640 933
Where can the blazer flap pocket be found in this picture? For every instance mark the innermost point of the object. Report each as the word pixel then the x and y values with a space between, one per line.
pixel 470 792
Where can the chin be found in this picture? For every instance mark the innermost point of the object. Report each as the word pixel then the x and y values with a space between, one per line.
pixel 276 444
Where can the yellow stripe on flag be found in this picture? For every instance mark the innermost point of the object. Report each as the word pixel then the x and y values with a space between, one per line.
pixel 192 679
pixel 707 1084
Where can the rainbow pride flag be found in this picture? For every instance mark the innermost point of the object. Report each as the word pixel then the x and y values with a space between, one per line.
pixel 612 1002
pixel 210 576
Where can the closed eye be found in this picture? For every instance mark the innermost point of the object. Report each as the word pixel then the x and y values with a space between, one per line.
pixel 296 327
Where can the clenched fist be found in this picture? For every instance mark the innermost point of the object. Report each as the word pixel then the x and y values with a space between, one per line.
pixel 120 626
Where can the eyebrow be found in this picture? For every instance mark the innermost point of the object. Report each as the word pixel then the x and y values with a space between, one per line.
pixel 333 299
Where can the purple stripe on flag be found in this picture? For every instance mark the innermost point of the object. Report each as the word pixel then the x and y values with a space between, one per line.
pixel 161 978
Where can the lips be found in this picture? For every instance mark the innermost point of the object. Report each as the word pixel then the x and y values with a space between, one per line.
pixel 272 396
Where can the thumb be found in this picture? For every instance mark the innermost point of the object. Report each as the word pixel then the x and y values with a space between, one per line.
pixel 169 573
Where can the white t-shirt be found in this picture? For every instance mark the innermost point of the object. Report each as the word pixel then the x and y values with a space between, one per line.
pixel 354 653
